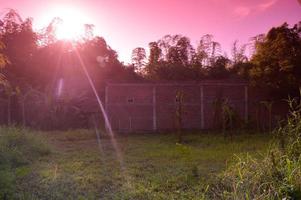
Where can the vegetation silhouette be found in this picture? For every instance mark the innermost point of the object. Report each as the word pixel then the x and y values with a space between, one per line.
pixel 37 60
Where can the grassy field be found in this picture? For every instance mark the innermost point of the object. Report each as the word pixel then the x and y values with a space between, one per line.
pixel 144 166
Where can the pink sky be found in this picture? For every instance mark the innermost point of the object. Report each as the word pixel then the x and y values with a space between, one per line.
pixel 126 24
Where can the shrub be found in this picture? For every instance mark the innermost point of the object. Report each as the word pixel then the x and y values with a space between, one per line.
pixel 275 175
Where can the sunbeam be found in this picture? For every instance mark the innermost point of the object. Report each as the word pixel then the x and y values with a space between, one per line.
pixel 107 122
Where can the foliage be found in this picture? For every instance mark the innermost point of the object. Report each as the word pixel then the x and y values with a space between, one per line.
pixel 3 63
pixel 290 134
pixel 3 58
pixel 170 58
pixel 38 60
pixel 18 150
pixel 225 117
pixel 208 50
pixel 58 112
pixel 240 64
pixel 155 53
pixel 238 53
pixel 174 58
pixel 138 59
pixel 275 175
pixel 218 68
pixel 274 64
pixel 20 44
pixel 179 113
pixel 229 117
pixel 268 106
pixel 277 60
pixel 272 177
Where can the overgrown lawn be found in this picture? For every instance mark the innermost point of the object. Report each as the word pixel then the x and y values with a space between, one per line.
pixel 144 166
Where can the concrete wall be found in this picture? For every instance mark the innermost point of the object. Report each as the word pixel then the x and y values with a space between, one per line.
pixel 133 107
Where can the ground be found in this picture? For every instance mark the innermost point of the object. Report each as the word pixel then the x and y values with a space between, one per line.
pixel 142 166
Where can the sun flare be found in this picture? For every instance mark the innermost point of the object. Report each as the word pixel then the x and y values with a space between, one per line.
pixel 71 25
pixel 68 30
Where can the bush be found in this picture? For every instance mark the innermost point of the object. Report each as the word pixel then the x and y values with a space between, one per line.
pixel 18 149
pixel 275 175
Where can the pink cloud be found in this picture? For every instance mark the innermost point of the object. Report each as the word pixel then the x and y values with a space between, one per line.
pixel 266 5
pixel 242 11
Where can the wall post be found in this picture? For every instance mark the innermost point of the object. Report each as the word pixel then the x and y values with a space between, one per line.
pixel 246 104
pixel 202 107
pixel 154 109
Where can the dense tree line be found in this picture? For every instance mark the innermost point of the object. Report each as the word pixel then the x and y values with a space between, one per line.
pixel 33 56
pixel 33 63
pixel 274 63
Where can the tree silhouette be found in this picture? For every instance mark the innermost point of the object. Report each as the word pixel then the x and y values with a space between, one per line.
pixel 277 60
pixel 238 53
pixel 138 59
pixel 207 50
pixel 218 69
pixel 20 45
pixel 154 60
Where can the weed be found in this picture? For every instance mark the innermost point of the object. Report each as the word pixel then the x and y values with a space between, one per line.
pixel 275 175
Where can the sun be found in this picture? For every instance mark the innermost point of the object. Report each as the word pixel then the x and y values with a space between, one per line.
pixel 71 25
pixel 68 30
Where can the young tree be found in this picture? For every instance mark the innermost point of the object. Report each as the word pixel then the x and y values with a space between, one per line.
pixel 208 50
pixel 238 53
pixel 240 64
pixel 155 53
pixel 138 59
pixel 154 60
pixel 179 114
pixel 176 49
pixel 181 52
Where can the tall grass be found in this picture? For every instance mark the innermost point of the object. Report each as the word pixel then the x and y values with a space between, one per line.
pixel 275 175
pixel 18 149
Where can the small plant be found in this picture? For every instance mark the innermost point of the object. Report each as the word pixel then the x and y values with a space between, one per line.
pixel 269 106
pixel 228 117
pixel 179 114
pixel 225 116
pixel 290 134
pixel 256 104
pixel 217 113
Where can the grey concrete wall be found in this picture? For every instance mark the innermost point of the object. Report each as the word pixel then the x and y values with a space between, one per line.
pixel 152 106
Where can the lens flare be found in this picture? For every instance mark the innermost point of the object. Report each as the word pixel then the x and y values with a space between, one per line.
pixel 105 116
pixel 60 87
